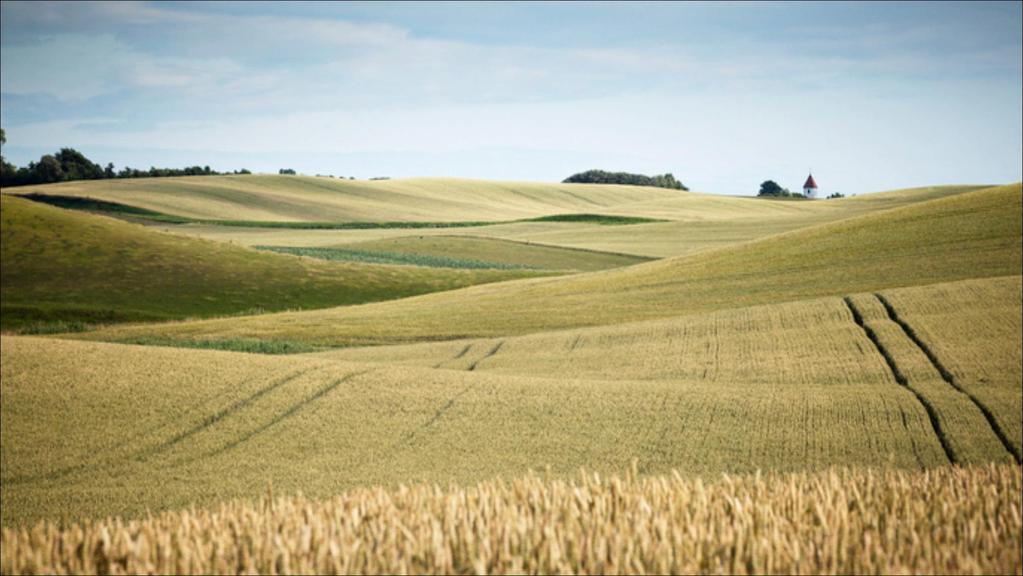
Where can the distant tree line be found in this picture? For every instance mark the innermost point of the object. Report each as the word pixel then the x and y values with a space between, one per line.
pixel 69 164
pixel 602 177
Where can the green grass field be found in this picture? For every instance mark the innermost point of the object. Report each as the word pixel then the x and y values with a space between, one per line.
pixel 503 253
pixel 63 270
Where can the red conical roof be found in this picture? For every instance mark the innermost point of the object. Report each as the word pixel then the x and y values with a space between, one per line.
pixel 809 182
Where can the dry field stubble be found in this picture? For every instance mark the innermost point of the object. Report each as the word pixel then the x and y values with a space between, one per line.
pixel 947 520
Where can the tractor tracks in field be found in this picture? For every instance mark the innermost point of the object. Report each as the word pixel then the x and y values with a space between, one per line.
pixel 966 429
pixel 462 353
pixel 407 438
pixel 465 351
pixel 211 420
pixel 103 459
pixel 902 380
pixel 947 376
pixel 282 416
pixel 410 436
pixel 575 343
pixel 489 353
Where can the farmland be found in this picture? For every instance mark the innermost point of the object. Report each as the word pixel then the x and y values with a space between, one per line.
pixel 65 268
pixel 720 392
pixel 833 522
pixel 969 235
pixel 511 288
pixel 789 356
pixel 470 252
pixel 692 221
pixel 306 199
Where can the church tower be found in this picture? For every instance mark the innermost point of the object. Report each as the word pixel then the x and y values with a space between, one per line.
pixel 810 188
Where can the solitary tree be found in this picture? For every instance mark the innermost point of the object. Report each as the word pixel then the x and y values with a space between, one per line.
pixel 769 188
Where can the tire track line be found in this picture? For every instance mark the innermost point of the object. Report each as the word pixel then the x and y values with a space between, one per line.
pixel 291 411
pixel 490 353
pixel 948 377
pixel 575 343
pixel 441 411
pixel 216 417
pixel 901 379
pixel 107 460
pixel 456 356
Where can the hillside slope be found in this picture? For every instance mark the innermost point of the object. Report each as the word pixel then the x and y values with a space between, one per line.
pixel 272 198
pixel 92 429
pixel 66 266
pixel 971 235
pixel 311 199
pixel 506 252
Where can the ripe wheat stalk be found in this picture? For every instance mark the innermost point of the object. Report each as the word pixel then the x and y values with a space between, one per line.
pixel 945 520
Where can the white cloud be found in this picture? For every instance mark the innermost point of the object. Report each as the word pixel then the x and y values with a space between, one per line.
pixel 302 86
pixel 74 68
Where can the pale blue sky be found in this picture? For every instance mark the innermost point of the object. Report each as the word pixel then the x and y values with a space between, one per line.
pixel 872 96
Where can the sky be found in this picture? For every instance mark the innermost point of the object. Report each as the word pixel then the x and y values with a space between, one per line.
pixel 870 96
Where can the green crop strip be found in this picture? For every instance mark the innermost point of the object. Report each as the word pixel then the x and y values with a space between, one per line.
pixel 124 210
pixel 374 257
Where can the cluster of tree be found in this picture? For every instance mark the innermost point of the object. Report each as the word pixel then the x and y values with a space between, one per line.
pixel 602 177
pixel 69 164
pixel 771 189
pixel 836 195
pixel 288 171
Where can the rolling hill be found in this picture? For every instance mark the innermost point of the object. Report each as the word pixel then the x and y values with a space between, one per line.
pixel 496 250
pixel 311 199
pixel 970 235
pixel 62 267
pixel 783 387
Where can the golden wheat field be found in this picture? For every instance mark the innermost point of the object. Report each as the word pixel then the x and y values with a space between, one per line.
pixel 511 288
pixel 974 234
pixel 785 387
pixel 942 521
pixel 807 388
